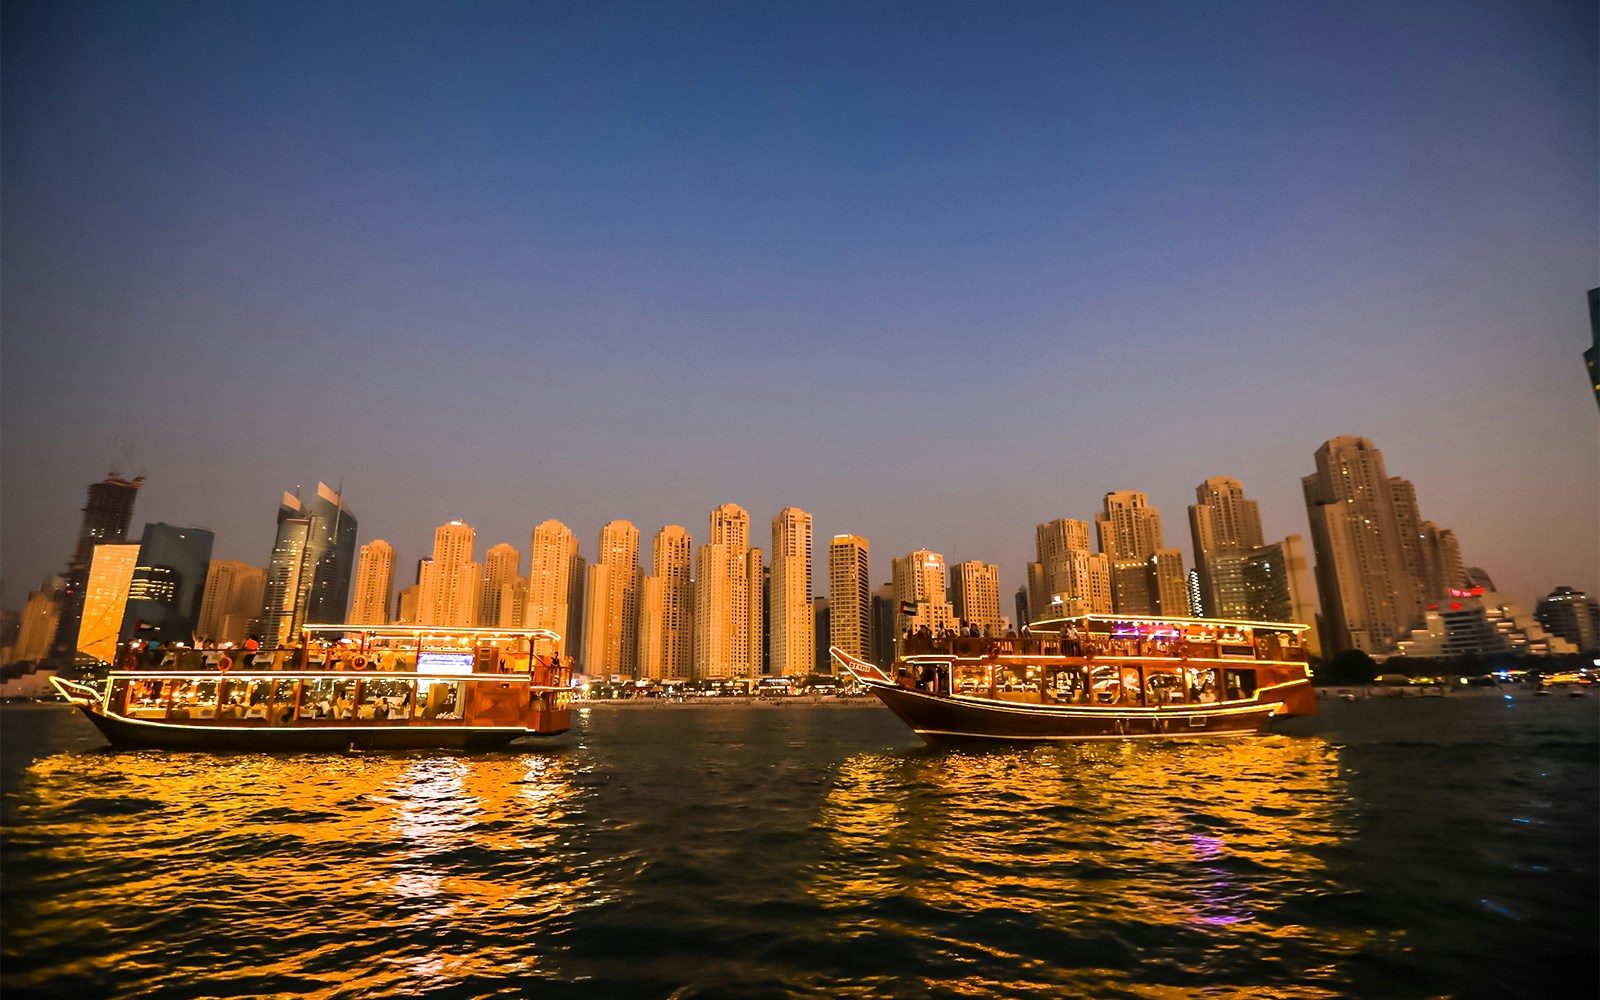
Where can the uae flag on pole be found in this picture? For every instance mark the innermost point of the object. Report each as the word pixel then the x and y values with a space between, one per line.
pixel 907 608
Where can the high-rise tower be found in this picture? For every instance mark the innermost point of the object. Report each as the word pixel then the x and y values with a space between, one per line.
pixel 168 584
pixel 553 569
pixel 1226 527
pixel 793 629
pixel 106 515
pixel 374 584
pixel 850 596
pixel 234 591
pixel 450 581
pixel 975 595
pixel 1147 578
pixel 1068 578
pixel 308 575
pixel 727 599
pixel 611 628
pixel 919 592
pixel 501 567
pixel 282 609
pixel 1368 595
pixel 673 632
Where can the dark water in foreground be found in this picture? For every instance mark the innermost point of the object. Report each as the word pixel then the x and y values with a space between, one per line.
pixel 1418 848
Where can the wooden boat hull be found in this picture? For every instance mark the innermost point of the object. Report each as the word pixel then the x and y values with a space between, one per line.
pixel 941 720
pixel 138 733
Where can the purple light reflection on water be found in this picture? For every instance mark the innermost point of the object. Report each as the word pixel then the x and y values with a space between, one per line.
pixel 1206 848
pixel 1219 901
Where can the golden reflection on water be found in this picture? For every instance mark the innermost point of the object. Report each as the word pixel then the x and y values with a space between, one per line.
pixel 434 844
pixel 1148 842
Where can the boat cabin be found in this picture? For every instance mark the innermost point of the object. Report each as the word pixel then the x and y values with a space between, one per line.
pixel 1110 660
pixel 343 675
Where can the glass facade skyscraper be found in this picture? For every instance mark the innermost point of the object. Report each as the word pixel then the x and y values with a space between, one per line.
pixel 308 575
pixel 168 584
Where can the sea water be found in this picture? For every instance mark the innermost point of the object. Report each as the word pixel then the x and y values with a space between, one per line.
pixel 1442 847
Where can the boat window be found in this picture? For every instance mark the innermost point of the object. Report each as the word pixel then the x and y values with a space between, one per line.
pixel 119 694
pixel 195 700
pixel 970 678
pixel 385 699
pixel 1132 691
pixel 440 699
pixel 1164 685
pixel 1202 685
pixel 1239 683
pixel 283 699
pixel 1068 684
pixel 316 699
pixel 344 698
pixel 1106 684
pixel 1016 677
pixel 148 699
pixel 931 676
pixel 236 698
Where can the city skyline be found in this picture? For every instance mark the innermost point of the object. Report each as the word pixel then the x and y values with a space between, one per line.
pixel 933 276
pixel 1088 528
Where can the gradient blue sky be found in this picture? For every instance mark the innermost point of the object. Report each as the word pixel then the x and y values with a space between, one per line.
pixel 934 272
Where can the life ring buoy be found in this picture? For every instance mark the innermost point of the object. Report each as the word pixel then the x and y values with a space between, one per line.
pixel 359 663
pixel 225 664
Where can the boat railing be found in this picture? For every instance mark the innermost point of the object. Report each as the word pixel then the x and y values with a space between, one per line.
pixel 1097 645
pixel 298 658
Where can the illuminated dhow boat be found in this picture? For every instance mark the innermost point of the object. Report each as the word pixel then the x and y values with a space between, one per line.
pixel 342 687
pixel 1097 677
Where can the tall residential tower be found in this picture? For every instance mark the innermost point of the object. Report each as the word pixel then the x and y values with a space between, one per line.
pixel 727 599
pixel 850 624
pixel 374 584
pixel 793 630
pixel 1226 527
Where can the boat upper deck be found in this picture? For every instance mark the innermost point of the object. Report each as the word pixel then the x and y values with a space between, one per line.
pixel 1105 636
pixel 383 649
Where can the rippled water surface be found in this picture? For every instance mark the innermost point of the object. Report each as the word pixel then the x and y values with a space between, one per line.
pixel 1417 848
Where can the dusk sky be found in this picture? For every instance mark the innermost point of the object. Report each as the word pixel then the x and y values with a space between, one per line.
pixel 933 272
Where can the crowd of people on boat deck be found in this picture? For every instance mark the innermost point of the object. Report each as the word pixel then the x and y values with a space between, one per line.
pixel 1070 641
pixel 962 630
pixel 251 655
